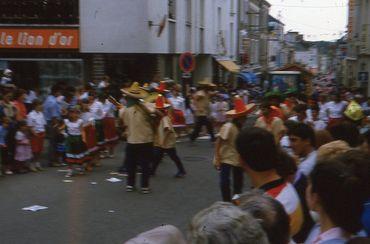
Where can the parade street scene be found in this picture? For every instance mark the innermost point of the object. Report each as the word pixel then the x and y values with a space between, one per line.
pixel 184 122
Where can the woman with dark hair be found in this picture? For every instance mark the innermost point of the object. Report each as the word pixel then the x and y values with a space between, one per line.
pixel 19 97
pixel 337 190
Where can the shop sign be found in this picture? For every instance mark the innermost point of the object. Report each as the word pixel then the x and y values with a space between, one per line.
pixel 39 38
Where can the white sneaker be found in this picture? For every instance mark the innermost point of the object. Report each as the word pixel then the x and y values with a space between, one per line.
pixel 69 173
pixel 8 172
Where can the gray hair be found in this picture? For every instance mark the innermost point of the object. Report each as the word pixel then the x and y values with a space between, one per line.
pixel 271 214
pixel 225 223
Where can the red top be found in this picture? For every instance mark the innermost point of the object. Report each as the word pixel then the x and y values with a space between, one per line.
pixel 21 110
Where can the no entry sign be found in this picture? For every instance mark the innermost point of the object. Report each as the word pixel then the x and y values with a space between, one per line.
pixel 187 62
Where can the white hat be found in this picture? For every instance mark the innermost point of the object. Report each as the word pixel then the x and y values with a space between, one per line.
pixel 7 72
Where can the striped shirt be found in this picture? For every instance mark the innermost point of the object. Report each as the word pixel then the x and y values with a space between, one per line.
pixel 285 193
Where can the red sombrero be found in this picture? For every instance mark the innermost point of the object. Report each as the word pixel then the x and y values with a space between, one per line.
pixel 240 109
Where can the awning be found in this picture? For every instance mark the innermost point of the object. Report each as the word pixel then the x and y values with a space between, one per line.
pixel 229 65
pixel 248 77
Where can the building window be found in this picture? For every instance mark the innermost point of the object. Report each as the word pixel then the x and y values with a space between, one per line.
pixel 219 18
pixel 172 9
pixel 188 12
pixel 39 12
pixel 232 39
pixel 202 12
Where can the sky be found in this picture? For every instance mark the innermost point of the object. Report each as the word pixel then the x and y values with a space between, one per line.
pixel 315 19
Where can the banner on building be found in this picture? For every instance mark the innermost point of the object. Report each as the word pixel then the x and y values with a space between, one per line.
pixel 39 38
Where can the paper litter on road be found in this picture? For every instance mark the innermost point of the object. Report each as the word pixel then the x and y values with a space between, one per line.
pixel 63 170
pixel 113 180
pixel 67 181
pixel 34 208
pixel 93 183
pixel 111 211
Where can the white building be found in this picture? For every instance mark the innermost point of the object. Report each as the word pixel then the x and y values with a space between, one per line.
pixel 277 52
pixel 308 57
pixel 124 39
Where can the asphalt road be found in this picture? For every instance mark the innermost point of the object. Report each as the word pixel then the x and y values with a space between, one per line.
pixel 81 212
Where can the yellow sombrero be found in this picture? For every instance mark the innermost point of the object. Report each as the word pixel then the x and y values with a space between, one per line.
pixel 135 91
pixel 206 82
pixel 354 111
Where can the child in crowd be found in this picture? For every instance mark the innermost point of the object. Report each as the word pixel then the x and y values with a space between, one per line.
pixel 109 126
pixel 89 134
pixel 165 140
pixel 23 151
pixel 36 122
pixel 75 146
pixel 3 131
pixel 97 109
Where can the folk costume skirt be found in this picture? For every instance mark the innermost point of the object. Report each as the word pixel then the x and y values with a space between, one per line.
pixel 110 131
pixel 76 152
pixel 178 118
pixel 37 142
pixel 90 135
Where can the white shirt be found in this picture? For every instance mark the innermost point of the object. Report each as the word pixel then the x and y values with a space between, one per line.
pixel 73 128
pixel 323 115
pixel 306 165
pixel 178 103
pixel 97 109
pixel 30 97
pixel 319 125
pixel 331 234
pixel 335 110
pixel 87 118
pixel 108 109
pixel 36 121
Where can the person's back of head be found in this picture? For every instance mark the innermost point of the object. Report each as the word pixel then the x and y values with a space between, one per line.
pixel 347 132
pixel 225 223
pixel 274 219
pixel 257 149
pixel 339 187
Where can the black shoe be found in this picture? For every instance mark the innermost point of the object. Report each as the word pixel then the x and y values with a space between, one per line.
pixel 180 175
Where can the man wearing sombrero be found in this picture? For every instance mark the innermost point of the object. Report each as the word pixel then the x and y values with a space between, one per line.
pixel 201 102
pixel 226 156
pixel 137 121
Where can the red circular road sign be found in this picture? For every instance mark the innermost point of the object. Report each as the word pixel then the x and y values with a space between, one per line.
pixel 187 62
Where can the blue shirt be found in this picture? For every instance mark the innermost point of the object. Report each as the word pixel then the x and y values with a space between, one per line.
pixel 3 133
pixel 52 108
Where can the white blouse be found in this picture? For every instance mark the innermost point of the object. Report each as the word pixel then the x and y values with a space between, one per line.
pixel 97 109
pixel 73 128
pixel 36 121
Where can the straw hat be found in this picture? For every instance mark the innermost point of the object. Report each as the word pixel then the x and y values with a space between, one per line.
pixel 206 82
pixel 354 111
pixel 160 103
pixel 135 91
pixel 240 109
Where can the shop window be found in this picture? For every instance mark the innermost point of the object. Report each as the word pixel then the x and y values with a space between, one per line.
pixel 39 12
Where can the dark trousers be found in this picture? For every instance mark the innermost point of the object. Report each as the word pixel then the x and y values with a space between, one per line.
pixel 172 153
pixel 138 154
pixel 52 149
pixel 199 122
pixel 225 181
